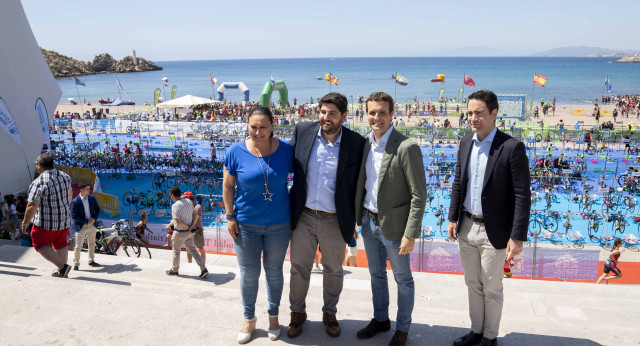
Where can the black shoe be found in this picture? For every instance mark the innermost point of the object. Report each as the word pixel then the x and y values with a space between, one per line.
pixel 170 272
pixel 76 267
pixel 204 273
pixel 62 273
pixel 374 327
pixel 94 264
pixel 468 340
pixel 399 339
pixel 487 342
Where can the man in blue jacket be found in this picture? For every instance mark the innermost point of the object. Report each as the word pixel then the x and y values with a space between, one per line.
pixel 84 212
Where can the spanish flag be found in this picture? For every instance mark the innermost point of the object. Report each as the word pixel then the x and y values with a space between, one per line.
pixel 538 79
pixel 331 79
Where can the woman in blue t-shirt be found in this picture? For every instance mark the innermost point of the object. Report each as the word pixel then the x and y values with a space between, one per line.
pixel 256 201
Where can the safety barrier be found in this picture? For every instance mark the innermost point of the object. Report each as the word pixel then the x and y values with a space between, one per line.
pixel 108 202
pixel 79 174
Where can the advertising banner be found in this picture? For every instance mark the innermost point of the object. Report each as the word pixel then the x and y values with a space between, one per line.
pixel 7 122
pixel 41 110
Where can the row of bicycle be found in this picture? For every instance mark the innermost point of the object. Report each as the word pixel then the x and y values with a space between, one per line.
pixel 556 225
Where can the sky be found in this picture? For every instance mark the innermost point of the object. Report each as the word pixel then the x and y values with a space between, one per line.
pixel 216 30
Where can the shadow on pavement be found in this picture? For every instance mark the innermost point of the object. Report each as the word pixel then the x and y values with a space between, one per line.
pixel 104 281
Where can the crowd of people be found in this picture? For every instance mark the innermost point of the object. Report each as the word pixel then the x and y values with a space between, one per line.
pixel 341 180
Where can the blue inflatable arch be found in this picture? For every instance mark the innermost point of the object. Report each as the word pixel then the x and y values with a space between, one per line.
pixel 235 85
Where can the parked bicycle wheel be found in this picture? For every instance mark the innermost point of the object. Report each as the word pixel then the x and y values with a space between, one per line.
pixel 141 250
pixel 128 199
pixel 551 224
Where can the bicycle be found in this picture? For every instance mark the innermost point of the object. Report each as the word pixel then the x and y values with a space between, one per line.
pixel 122 242
pixel 539 222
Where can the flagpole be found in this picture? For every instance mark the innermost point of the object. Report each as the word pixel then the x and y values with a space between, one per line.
pixel 81 103
pixel 395 87
pixel 212 90
pixel 119 93
pixel 533 87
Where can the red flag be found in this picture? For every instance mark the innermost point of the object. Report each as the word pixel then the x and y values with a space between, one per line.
pixel 538 79
pixel 213 79
pixel 469 81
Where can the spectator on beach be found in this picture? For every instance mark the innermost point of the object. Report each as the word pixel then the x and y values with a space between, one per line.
pixel 141 227
pixel 611 264
pixel 256 202
pixel 84 212
pixel 48 206
pixel 182 215
pixel 560 125
pixel 197 228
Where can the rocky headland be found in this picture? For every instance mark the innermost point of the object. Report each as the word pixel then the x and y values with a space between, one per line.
pixel 64 66
pixel 630 58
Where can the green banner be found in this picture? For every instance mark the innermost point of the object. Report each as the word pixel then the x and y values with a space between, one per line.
pixel 156 94
pixel 440 95
pixel 173 92
pixel 459 100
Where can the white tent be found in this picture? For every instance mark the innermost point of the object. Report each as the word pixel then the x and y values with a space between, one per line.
pixel 28 96
pixel 187 101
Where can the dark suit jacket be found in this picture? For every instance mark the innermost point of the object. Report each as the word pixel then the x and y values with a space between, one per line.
pixel 77 211
pixel 506 194
pixel 350 155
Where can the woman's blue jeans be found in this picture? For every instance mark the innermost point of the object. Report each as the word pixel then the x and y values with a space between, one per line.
pixel 271 242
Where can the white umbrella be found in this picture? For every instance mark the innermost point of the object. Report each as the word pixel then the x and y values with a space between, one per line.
pixel 70 99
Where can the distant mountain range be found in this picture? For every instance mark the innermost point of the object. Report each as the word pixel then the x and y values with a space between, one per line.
pixel 583 51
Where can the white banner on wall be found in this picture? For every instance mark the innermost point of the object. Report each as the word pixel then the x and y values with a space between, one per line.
pixel 7 122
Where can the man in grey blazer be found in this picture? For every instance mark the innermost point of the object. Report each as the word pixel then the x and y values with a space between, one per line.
pixel 390 202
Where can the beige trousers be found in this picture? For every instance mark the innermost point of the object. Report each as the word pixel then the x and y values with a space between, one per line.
pixel 310 232
pixel 483 271
pixel 90 233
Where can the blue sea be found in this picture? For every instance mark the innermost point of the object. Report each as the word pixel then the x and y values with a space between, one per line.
pixel 570 80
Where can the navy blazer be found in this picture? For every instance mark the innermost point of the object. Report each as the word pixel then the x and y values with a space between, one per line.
pixel 77 211
pixel 506 194
pixel 350 155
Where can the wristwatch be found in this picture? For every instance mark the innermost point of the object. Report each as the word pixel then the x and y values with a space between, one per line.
pixel 231 217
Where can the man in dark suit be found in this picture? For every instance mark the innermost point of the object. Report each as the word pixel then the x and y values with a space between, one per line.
pixel 390 201
pixel 84 212
pixel 489 213
pixel 325 170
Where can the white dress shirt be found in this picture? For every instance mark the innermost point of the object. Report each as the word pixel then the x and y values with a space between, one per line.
pixel 85 203
pixel 372 168
pixel 321 174
pixel 475 172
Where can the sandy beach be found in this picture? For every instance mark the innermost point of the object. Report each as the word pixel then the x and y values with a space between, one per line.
pixel 565 112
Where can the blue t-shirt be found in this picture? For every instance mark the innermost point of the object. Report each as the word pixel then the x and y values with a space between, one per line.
pixel 250 204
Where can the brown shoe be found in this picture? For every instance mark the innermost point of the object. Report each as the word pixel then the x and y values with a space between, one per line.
pixel 331 324
pixel 295 327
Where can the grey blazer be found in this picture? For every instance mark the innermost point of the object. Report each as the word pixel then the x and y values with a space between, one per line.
pixel 402 188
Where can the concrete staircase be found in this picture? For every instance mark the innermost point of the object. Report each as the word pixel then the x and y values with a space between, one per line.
pixel 132 301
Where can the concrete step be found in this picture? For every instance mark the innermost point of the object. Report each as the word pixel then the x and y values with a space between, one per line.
pixel 132 301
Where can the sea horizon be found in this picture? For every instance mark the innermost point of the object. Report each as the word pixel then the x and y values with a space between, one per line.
pixel 572 80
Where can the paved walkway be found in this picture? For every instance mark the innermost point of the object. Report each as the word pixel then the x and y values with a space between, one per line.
pixel 131 301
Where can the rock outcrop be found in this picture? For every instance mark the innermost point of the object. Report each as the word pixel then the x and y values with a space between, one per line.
pixel 630 58
pixel 64 66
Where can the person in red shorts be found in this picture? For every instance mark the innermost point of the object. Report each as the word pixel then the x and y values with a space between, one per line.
pixel 49 207
pixel 611 264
